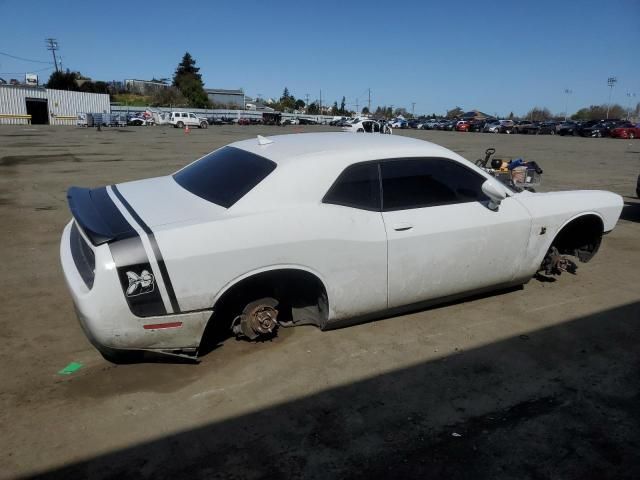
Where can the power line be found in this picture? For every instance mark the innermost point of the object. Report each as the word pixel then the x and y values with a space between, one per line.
pixel 23 59
pixel 22 73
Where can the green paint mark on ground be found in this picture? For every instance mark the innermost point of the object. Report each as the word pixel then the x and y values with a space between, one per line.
pixel 71 368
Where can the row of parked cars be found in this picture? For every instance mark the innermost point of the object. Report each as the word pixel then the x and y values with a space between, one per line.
pixel 593 128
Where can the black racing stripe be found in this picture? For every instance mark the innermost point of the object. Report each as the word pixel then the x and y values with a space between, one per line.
pixel 156 250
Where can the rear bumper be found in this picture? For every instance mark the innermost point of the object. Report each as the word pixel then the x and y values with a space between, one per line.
pixel 106 319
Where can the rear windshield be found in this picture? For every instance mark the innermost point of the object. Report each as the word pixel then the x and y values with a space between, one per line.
pixel 224 176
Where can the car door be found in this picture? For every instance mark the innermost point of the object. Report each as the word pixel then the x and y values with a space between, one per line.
pixel 357 265
pixel 442 237
pixel 193 120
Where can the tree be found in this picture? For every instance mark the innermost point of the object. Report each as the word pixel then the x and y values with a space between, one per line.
pixel 166 97
pixel 342 105
pixel 365 111
pixel 287 101
pixel 188 80
pixel 537 114
pixel 63 81
pixel 313 109
pixel 599 112
pixel 454 112
pixel 511 116
pixel 299 104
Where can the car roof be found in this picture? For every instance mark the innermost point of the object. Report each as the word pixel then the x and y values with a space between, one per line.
pixel 350 148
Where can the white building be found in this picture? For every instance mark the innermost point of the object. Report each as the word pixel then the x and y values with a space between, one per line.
pixel 23 105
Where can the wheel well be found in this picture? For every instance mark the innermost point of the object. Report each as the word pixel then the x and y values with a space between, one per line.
pixel 302 297
pixel 580 237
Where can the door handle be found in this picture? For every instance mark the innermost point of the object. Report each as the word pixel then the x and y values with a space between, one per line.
pixel 401 227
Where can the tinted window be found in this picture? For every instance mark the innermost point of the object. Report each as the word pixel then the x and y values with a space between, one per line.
pixel 416 183
pixel 358 186
pixel 224 176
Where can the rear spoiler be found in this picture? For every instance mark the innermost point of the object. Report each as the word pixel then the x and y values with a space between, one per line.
pixel 98 216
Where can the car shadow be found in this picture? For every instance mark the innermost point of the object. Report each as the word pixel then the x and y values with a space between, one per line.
pixel 556 402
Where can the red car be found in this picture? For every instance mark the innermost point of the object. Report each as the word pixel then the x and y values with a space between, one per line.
pixel 462 126
pixel 626 130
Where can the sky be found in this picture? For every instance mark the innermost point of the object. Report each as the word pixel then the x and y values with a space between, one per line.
pixel 493 56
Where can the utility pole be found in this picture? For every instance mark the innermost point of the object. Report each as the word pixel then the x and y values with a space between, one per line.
pixel 611 82
pixel 320 102
pixel 52 46
pixel 413 108
pixel 369 101
pixel 357 106
pixel 566 103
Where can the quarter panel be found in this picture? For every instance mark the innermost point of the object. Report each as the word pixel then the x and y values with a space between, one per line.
pixel 345 246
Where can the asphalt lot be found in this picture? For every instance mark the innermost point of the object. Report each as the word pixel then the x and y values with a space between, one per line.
pixel 539 382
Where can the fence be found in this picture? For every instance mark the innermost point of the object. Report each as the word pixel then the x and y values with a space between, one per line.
pixel 218 113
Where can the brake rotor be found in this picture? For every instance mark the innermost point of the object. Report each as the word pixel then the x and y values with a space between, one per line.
pixel 258 319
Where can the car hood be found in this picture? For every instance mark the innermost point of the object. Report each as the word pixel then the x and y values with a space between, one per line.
pixel 161 201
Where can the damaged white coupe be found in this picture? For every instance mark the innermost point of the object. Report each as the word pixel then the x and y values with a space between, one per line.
pixel 325 229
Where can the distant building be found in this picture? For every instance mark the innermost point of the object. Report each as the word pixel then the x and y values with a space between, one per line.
pixel 226 98
pixel 143 87
pixel 23 105
pixel 476 115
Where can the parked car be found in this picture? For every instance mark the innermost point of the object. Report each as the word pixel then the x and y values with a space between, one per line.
pixel 499 126
pixel 476 125
pixel 462 126
pixel 137 121
pixel 449 125
pixel 413 123
pixel 525 127
pixel 596 128
pixel 359 225
pixel 183 119
pixel 399 123
pixel 568 128
pixel 428 124
pixel 366 126
pixel 307 121
pixel 290 121
pixel 547 128
pixel 213 120
pixel 626 130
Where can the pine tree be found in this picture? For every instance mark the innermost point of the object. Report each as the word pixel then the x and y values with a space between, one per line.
pixel 188 80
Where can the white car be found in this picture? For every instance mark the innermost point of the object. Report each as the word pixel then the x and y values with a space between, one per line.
pixel 323 228
pixel 366 126
pixel 183 119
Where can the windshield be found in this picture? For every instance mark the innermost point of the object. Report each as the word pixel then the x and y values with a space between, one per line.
pixel 225 176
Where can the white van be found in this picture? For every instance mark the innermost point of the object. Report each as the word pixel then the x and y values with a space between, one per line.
pixel 181 119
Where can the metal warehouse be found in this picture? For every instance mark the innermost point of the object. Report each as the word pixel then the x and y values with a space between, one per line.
pixel 225 98
pixel 20 105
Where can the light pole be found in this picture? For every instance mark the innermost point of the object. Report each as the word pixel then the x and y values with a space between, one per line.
pixel 566 103
pixel 631 96
pixel 611 82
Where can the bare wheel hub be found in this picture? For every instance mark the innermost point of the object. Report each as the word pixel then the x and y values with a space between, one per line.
pixel 258 319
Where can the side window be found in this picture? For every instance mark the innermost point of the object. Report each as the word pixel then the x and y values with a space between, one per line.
pixel 367 126
pixel 376 127
pixel 358 186
pixel 191 115
pixel 428 182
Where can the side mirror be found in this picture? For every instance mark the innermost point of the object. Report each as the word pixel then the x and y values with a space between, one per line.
pixel 495 192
